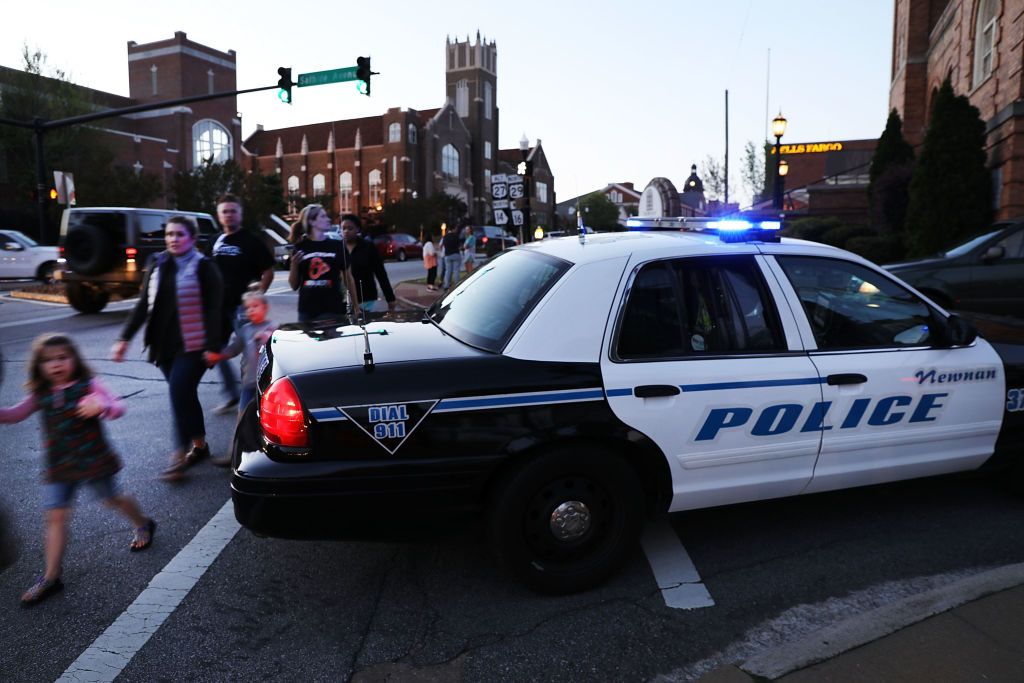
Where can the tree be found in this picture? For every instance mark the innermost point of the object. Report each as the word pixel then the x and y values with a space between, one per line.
pixel 44 93
pixel 599 212
pixel 950 191
pixel 752 172
pixel 198 189
pixel 891 170
pixel 713 175
pixel 421 215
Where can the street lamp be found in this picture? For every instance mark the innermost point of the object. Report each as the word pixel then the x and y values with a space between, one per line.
pixel 524 149
pixel 783 170
pixel 778 130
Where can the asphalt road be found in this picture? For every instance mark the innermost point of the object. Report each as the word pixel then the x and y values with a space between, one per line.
pixel 439 609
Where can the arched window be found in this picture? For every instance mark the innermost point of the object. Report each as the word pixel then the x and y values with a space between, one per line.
pixel 375 188
pixel 450 162
pixel 984 40
pixel 210 141
pixel 462 98
pixel 293 183
pixel 412 133
pixel 345 192
pixel 319 185
pixel 395 132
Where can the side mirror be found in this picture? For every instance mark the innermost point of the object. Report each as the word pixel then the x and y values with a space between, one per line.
pixel 993 254
pixel 959 332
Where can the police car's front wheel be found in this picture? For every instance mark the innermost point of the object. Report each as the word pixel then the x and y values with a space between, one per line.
pixel 567 519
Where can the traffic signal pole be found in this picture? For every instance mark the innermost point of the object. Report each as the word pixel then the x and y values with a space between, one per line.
pixel 39 126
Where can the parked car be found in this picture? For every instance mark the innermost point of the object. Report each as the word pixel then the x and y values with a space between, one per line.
pixel 490 240
pixel 583 386
pixel 23 257
pixel 398 245
pixel 104 250
pixel 984 274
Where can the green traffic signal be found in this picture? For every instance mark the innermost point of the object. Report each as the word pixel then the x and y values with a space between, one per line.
pixel 363 73
pixel 285 84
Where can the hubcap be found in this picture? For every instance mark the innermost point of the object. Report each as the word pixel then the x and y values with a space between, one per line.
pixel 570 520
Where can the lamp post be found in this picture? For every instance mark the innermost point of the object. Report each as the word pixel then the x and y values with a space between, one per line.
pixel 524 150
pixel 783 170
pixel 778 130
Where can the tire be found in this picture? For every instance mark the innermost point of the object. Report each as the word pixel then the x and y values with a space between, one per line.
pixel 88 250
pixel 401 255
pixel 572 480
pixel 86 298
pixel 45 272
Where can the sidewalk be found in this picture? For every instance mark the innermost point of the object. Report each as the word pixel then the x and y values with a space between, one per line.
pixel 414 294
pixel 972 630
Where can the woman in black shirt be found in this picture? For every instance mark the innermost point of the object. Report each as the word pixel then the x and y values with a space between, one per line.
pixel 319 265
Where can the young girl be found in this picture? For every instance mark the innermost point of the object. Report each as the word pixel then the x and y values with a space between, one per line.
pixel 72 401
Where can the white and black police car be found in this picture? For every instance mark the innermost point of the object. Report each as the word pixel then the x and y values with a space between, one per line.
pixel 571 387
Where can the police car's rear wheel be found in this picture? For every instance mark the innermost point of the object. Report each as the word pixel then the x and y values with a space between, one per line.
pixel 567 519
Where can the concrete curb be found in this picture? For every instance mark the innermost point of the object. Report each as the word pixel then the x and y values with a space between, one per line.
pixel 39 296
pixel 865 628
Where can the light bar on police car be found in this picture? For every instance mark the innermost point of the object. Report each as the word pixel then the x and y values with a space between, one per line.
pixel 728 229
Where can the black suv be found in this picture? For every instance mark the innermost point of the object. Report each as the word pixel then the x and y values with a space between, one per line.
pixel 983 275
pixel 104 250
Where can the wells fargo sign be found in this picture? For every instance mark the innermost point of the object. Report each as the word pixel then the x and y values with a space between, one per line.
pixel 810 148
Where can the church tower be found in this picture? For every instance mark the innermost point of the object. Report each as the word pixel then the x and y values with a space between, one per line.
pixel 471 85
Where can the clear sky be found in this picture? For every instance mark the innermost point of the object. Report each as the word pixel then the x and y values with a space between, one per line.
pixel 617 91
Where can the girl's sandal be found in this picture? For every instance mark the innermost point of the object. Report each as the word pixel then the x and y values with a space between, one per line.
pixel 143 536
pixel 40 590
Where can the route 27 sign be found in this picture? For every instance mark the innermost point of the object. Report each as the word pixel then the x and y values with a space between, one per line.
pixel 499 195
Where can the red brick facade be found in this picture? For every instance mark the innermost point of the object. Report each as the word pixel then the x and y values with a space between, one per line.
pixel 364 163
pixel 162 141
pixel 979 44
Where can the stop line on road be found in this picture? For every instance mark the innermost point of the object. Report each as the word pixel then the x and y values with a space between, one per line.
pixel 111 652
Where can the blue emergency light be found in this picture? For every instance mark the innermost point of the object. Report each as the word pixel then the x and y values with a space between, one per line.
pixel 729 229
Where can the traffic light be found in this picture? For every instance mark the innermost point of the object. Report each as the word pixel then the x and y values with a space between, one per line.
pixel 285 84
pixel 363 73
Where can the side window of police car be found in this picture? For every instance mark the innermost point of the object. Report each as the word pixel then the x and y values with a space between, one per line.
pixel 698 306
pixel 849 306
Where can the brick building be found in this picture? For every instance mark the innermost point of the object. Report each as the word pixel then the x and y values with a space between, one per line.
pixel 979 44
pixel 361 164
pixel 171 139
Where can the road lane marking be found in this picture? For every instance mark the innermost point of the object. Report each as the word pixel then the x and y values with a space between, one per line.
pixel 673 569
pixel 111 652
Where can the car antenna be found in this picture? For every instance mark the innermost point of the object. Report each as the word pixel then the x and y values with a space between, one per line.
pixel 367 353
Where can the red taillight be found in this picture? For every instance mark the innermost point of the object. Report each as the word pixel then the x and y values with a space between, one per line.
pixel 281 415
pixel 485 240
pixel 131 252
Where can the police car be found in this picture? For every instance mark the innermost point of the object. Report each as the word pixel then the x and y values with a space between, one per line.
pixel 572 386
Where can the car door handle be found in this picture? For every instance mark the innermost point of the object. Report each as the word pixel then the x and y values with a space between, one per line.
pixel 655 390
pixel 846 378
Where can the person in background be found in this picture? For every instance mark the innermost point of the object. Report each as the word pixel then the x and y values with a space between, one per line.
pixel 180 305
pixel 367 265
pixel 247 341
pixel 430 260
pixel 441 270
pixel 469 250
pixel 452 243
pixel 319 266
pixel 242 259
pixel 72 401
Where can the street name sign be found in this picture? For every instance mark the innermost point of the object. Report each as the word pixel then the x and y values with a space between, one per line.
pixel 347 73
